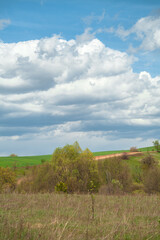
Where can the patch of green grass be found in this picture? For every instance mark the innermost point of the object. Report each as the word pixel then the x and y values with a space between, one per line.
pixel 135 166
pixel 134 161
pixel 147 149
pixel 109 152
pixel 23 161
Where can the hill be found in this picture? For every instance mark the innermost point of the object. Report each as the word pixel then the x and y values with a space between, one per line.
pixel 25 161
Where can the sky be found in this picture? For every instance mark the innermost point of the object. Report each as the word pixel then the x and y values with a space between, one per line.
pixel 75 70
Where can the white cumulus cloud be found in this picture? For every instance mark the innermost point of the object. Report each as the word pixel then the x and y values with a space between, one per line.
pixel 147 30
pixel 74 89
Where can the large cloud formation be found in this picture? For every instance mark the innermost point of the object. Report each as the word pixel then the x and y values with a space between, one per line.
pixel 68 90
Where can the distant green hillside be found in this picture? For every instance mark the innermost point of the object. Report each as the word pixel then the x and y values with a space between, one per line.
pixel 146 149
pixel 35 160
pixel 23 161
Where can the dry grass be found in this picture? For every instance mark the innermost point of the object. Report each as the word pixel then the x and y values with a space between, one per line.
pixel 58 216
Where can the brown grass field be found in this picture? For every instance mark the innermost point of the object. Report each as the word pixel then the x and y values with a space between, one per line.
pixel 78 217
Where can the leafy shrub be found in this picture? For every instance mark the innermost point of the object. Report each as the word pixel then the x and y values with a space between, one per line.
pixel 7 179
pixel 117 170
pixel 148 162
pixel 134 149
pixel 151 174
pixel 61 187
pixel 124 156
pixel 40 178
pixel 43 161
pixel 137 187
pixel 113 187
pixel 152 180
pixel 116 186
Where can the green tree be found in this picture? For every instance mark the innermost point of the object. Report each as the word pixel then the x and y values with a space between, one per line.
pixel 75 168
pixel 156 145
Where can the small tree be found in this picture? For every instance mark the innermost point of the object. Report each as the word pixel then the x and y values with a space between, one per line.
pixel 75 168
pixel 156 145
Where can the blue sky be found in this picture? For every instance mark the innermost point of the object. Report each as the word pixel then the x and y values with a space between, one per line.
pixel 78 70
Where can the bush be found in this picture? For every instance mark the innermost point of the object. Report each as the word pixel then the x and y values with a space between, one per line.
pixel 117 171
pixel 134 149
pixel 43 161
pixel 124 156
pixel 13 155
pixel 61 187
pixel 137 187
pixel 7 179
pixel 40 178
pixel 152 180
pixel 151 174
pixel 148 162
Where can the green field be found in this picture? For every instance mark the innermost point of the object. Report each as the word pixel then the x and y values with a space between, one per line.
pixel 145 149
pixel 23 161
pixel 36 160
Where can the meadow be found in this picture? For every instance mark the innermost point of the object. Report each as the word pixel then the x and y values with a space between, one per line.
pixel 40 208
pixel 61 216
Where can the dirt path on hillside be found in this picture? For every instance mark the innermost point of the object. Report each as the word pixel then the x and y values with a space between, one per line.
pixel 117 155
